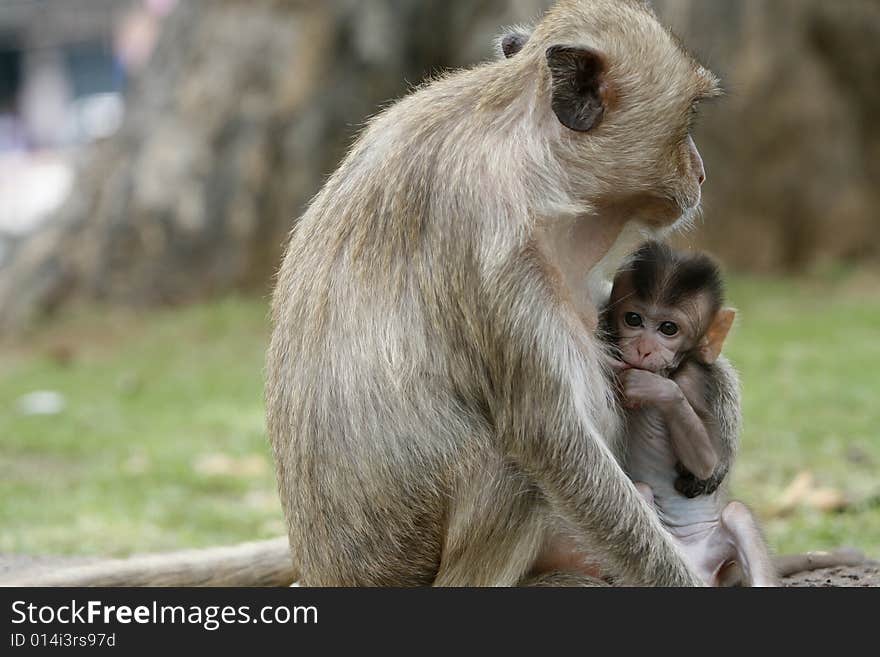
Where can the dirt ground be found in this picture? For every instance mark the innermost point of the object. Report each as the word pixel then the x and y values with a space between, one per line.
pixel 867 575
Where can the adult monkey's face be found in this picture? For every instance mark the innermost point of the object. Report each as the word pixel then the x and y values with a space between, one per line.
pixel 625 94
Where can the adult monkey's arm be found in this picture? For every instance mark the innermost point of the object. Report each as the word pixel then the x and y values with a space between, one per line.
pixel 553 398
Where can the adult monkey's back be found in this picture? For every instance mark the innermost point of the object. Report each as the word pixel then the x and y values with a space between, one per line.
pixel 436 398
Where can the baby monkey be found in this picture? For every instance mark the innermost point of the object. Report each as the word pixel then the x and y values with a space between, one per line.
pixel 666 322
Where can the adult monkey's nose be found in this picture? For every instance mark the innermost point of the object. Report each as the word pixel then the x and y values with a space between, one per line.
pixel 696 160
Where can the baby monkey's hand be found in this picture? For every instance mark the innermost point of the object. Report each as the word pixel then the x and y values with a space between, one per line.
pixel 643 388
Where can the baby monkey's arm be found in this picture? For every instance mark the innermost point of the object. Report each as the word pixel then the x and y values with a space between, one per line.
pixel 686 413
pixel 713 392
pixel 693 430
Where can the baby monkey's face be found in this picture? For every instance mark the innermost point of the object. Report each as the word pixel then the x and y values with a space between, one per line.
pixel 652 337
pixel 666 307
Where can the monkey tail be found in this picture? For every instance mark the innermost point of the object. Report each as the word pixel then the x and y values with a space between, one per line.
pixel 792 564
pixel 258 564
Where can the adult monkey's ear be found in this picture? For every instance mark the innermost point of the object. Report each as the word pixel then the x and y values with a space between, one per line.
pixel 511 43
pixel 578 85
pixel 710 346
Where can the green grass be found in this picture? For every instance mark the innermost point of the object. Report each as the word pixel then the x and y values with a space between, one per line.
pixel 809 356
pixel 162 443
pixel 150 400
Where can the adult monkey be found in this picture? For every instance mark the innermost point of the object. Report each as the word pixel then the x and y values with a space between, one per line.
pixel 437 401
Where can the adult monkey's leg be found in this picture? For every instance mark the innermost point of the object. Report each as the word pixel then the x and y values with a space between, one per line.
pixel 495 525
pixel 499 534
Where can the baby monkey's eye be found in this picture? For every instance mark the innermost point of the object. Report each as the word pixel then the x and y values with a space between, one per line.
pixel 633 320
pixel 669 329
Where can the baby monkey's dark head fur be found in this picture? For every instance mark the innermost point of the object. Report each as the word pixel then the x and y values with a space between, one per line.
pixel 667 307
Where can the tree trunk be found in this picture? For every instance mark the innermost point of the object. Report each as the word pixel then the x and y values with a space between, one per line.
pixel 248 105
pixel 244 110
pixel 793 150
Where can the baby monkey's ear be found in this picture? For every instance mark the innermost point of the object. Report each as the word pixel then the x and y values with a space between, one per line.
pixel 513 41
pixel 713 341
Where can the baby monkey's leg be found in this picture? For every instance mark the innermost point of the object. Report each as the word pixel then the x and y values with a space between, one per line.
pixel 751 550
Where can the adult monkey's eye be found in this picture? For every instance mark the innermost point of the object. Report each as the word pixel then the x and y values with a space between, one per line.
pixel 669 329
pixel 633 320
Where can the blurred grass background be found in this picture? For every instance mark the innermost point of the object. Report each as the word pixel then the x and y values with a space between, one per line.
pixel 161 444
